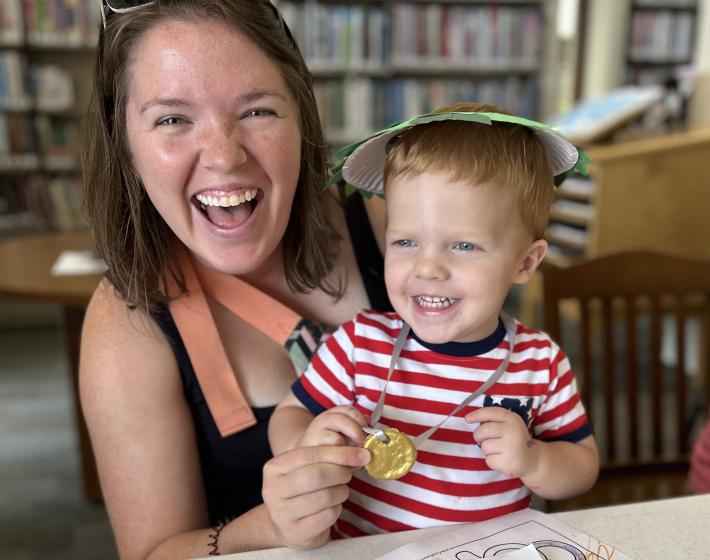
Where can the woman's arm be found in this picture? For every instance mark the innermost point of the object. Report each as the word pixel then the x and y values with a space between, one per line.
pixel 143 438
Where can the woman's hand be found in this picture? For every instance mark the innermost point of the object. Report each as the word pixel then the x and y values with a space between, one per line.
pixel 304 490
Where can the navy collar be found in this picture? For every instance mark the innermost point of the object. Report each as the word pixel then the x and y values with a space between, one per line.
pixel 465 349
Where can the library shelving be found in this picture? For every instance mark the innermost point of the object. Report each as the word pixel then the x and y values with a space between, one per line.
pixel 45 46
pixel 661 39
pixel 380 61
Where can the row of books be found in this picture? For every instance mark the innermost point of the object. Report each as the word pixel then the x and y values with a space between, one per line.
pixel 355 107
pixel 376 38
pixel 58 23
pixel 661 36
pixel 466 35
pixel 39 202
pixel 665 3
pixel 43 87
pixel 42 134
pixel 333 36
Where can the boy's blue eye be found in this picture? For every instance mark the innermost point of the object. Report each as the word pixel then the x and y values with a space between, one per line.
pixel 403 243
pixel 464 246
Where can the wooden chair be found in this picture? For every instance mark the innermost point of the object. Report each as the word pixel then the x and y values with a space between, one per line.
pixel 642 410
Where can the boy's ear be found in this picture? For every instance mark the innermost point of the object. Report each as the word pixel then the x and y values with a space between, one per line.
pixel 531 259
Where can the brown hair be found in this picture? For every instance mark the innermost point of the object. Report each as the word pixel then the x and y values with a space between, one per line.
pixel 130 234
pixel 510 155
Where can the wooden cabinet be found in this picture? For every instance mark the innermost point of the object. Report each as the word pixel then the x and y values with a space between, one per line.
pixel 652 193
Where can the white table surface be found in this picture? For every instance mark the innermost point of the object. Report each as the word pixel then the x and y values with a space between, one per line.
pixel 672 529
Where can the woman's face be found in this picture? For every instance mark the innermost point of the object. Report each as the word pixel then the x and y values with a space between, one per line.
pixel 214 135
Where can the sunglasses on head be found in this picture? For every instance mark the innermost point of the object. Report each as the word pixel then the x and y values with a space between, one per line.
pixel 121 7
pixel 126 6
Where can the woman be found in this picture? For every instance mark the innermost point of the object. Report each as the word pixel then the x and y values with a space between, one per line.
pixel 204 164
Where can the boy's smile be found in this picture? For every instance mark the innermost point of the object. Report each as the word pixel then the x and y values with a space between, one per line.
pixel 453 251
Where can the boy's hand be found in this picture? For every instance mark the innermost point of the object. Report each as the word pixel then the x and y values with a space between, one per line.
pixel 341 425
pixel 505 441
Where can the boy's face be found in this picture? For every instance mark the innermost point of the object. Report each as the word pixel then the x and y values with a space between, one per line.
pixel 453 251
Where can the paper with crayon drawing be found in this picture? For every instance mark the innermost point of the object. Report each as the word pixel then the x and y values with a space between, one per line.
pixel 509 537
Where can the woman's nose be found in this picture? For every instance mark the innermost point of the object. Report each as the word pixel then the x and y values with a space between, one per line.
pixel 223 148
pixel 431 268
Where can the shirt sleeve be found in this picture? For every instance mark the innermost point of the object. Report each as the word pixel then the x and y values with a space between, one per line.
pixel 329 380
pixel 562 416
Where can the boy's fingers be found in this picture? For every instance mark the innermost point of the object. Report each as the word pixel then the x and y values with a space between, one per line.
pixel 344 424
pixel 488 414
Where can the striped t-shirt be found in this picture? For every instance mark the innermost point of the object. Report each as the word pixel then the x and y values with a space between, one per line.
pixel 450 481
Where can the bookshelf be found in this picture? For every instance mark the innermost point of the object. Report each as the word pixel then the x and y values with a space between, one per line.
pixel 661 39
pixel 377 62
pixel 45 48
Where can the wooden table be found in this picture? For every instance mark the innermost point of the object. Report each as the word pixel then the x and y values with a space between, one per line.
pixel 25 264
pixel 673 529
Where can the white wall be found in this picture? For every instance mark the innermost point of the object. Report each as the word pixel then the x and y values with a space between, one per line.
pixel 606 45
pixel 699 110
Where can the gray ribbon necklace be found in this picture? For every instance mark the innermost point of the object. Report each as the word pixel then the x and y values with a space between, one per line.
pixel 394 453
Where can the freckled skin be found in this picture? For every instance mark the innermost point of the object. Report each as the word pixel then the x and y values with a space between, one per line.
pixel 207 110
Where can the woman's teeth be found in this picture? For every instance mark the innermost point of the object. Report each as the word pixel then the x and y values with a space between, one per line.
pixel 234 199
pixel 435 301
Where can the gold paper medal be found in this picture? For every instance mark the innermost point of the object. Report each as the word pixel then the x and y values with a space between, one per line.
pixel 391 459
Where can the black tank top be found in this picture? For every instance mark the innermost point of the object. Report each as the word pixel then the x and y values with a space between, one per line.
pixel 232 466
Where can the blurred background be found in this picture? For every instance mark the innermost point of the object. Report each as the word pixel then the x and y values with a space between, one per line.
pixel 627 79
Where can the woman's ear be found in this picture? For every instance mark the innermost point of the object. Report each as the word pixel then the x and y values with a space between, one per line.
pixel 530 260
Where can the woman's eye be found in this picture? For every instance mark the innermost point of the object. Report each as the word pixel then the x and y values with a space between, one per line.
pixel 170 121
pixel 464 246
pixel 260 113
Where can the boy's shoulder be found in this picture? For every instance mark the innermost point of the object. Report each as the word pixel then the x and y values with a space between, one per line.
pixel 529 337
pixel 372 322
pixel 388 319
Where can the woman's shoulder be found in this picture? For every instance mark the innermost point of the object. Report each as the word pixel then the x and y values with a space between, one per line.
pixel 119 344
pixel 109 315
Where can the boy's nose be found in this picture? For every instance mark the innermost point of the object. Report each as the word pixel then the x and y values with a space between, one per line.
pixel 429 268
pixel 223 148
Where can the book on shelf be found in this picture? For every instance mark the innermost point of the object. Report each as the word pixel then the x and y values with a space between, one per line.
pixel 14 95
pixel 660 36
pixel 62 23
pixel 41 202
pixel 52 88
pixel 11 26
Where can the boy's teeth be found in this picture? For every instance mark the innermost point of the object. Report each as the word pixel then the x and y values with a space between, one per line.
pixel 435 301
pixel 225 201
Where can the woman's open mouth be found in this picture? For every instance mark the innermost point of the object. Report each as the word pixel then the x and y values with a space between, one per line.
pixel 227 210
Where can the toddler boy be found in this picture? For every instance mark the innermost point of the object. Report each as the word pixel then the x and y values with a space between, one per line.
pixel 469 190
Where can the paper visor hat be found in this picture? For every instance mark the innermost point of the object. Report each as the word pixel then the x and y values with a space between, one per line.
pixel 363 163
